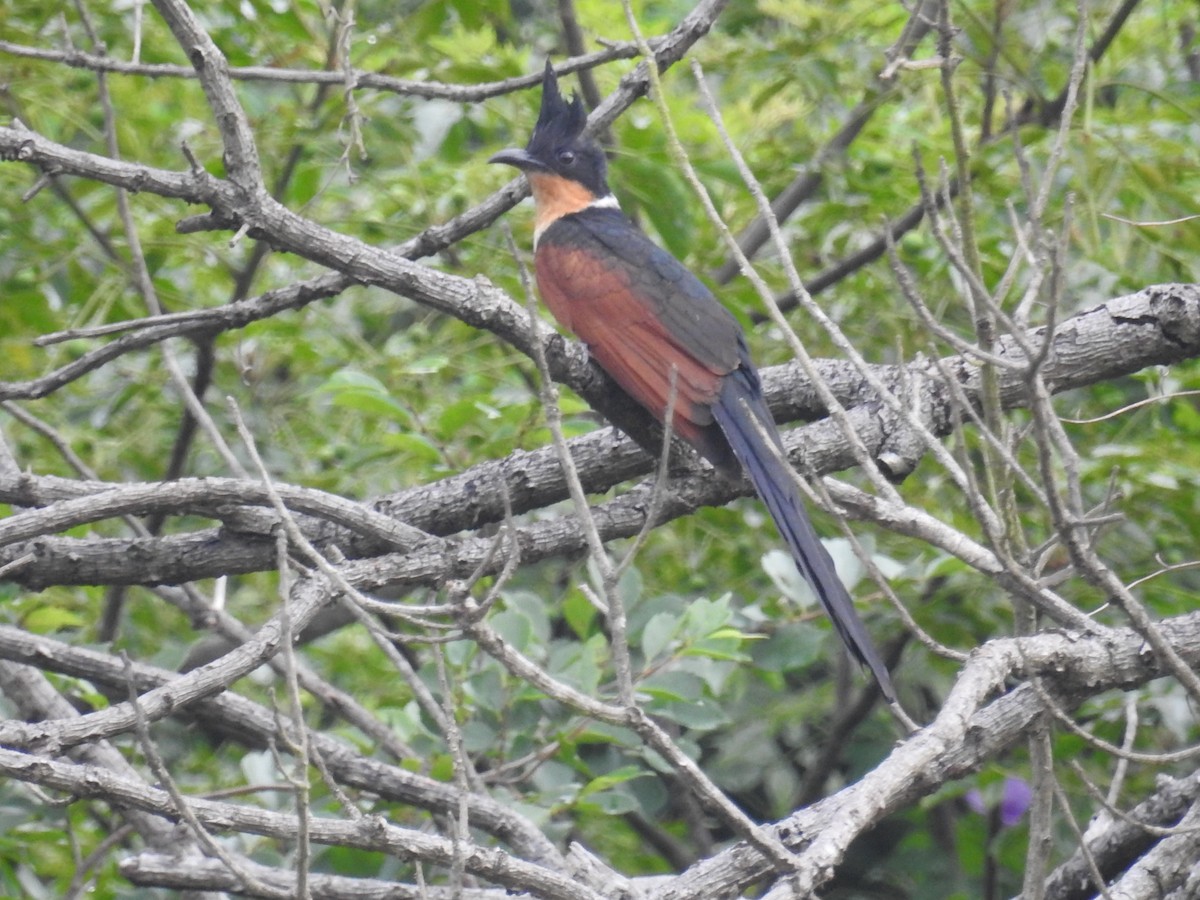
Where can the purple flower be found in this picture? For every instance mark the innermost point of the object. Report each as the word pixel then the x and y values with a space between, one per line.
pixel 1015 797
pixel 1014 801
pixel 975 801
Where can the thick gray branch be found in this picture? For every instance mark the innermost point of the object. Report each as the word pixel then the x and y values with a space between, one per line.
pixel 1116 843
pixel 162 871
pixel 308 597
pixel 1156 326
pixel 230 715
pixel 978 720
pixel 970 729
pixel 369 833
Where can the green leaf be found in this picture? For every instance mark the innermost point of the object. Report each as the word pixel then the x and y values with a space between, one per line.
pixel 794 645
pixel 350 389
pixel 514 627
pixel 49 619
pixel 657 634
pixel 579 613
pixel 413 445
pixel 704 617
pixel 614 803
pixel 613 778
pixel 478 737
pixel 672 685
pixel 703 714
pixel 577 664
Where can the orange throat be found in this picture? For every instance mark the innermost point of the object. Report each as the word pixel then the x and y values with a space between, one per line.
pixel 555 197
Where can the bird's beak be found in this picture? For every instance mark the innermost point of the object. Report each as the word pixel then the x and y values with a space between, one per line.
pixel 518 158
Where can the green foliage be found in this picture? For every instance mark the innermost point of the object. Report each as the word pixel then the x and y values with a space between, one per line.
pixel 370 393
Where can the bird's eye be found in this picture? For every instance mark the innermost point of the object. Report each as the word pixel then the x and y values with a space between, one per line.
pixel 566 157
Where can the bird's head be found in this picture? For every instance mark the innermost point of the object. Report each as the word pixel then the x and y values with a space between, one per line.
pixel 558 158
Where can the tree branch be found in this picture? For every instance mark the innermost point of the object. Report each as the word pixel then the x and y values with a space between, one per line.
pixel 1156 326
pixel 968 731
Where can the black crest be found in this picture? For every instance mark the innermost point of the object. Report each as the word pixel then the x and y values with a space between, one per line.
pixel 558 142
pixel 560 122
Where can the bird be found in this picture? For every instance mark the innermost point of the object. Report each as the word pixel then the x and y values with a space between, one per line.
pixel 664 338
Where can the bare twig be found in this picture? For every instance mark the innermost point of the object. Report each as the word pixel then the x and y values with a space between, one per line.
pixel 181 806
pixel 360 80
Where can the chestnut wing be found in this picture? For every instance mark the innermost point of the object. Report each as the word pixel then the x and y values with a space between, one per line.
pixel 641 314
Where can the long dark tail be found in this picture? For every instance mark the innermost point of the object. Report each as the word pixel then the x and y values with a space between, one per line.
pixel 743 416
